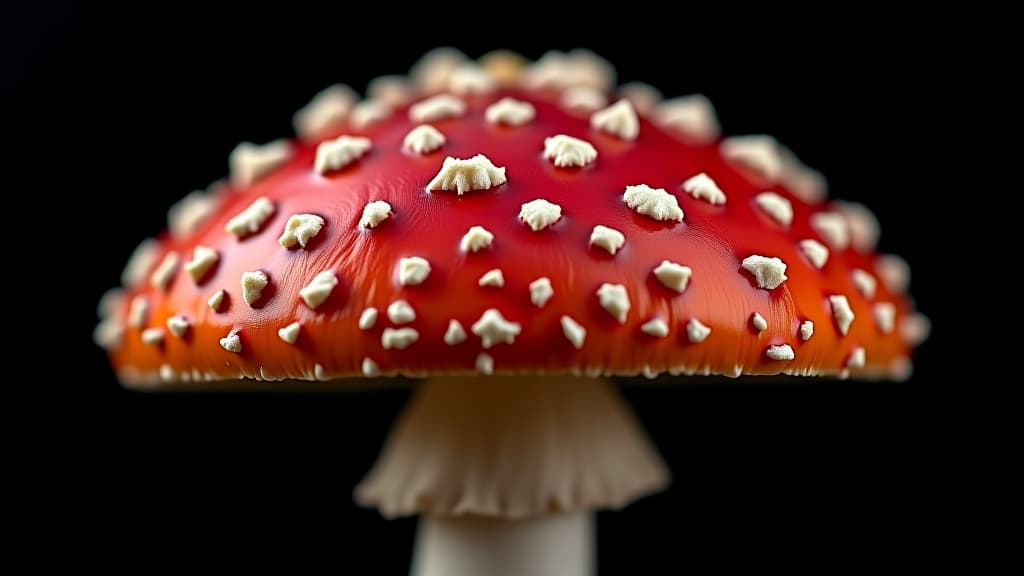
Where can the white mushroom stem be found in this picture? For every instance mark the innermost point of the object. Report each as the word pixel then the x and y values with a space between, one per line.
pixel 511 468
pixel 556 544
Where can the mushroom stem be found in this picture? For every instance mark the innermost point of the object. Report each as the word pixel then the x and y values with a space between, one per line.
pixel 502 462
pixel 555 544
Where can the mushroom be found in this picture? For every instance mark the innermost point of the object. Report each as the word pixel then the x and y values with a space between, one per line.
pixel 512 251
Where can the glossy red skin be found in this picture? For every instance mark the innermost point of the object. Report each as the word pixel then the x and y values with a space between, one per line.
pixel 712 240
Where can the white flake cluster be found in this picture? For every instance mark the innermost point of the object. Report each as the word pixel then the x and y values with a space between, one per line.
pixel 702 187
pixel 336 154
pixel 653 202
pixel 300 229
pixel 539 214
pixel 769 273
pixel 615 300
pixel 493 328
pixel 319 288
pixel 476 173
pixel 566 151
pixel 250 220
pixel 511 112
pixel 423 139
pixel 439 107
pixel 619 120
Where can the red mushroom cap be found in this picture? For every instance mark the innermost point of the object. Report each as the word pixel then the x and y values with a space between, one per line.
pixel 508 229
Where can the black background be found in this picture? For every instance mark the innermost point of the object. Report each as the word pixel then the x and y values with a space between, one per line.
pixel 126 110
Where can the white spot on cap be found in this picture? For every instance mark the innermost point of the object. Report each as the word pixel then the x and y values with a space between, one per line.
pixel 584 98
pixel 696 331
pixel 108 334
pixel 319 373
pixel 400 312
pixel 833 228
pixel 759 153
pixel 398 339
pixel 216 301
pixel 842 313
pixel 325 111
pixel 374 213
pixel 894 272
pixel 857 358
pixel 816 252
pixel 673 276
pixel 137 311
pixel 188 213
pixel 885 316
pixel 368 319
pixel 368 113
pixel 433 70
pixel 619 119
pixel 370 368
pixel 492 328
pixel 492 278
pixel 691 116
pixel 253 284
pixel 340 152
pixel 455 334
pixel 643 97
pixel 290 333
pixel 423 139
pixel 470 79
pixel 539 214
pixel 780 352
pixel 300 229
pixel 915 329
pixel 476 239
pixel 142 259
pixel 574 333
pixel 865 282
pixel 178 325
pixel 164 272
pixel 203 258
pixel 655 327
pixel 653 202
pixel 476 173
pixel 166 372
pixel 504 66
pixel 110 303
pixel 232 342
pixel 608 238
pixel 484 363
pixel 774 205
pixel 566 151
pixel 319 288
pixel 769 273
pixel 862 224
pixel 437 108
pixel 413 270
pixel 578 68
pixel 250 220
pixel 541 291
pixel 702 187
pixel 153 336
pixel 806 330
pixel 249 162
pixel 615 300
pixel 805 183
pixel 758 322
pixel 511 112
pixel 392 89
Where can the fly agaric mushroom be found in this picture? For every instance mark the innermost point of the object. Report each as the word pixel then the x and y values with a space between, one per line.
pixel 514 249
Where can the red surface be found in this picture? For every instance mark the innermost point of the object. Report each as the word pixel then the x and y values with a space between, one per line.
pixel 712 240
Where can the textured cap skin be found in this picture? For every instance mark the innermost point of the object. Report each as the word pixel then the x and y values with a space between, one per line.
pixel 712 239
